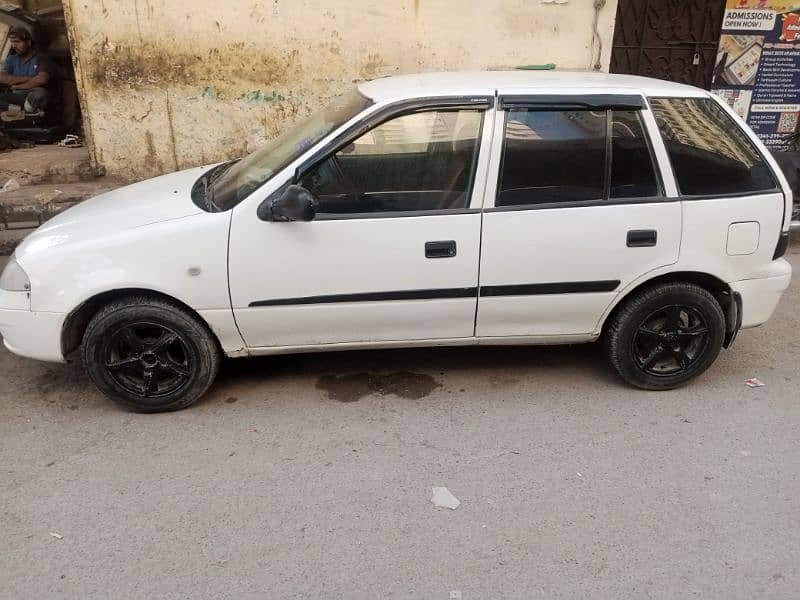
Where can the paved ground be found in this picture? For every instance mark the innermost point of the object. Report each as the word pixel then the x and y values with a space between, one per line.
pixel 311 476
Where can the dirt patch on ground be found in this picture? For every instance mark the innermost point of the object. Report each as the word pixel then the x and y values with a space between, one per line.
pixel 351 388
pixel 60 378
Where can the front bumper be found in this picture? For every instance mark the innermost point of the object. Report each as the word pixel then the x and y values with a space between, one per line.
pixel 760 295
pixel 30 334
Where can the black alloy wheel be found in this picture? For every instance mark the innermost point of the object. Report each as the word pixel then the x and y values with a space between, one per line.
pixel 670 341
pixel 662 336
pixel 149 354
pixel 148 359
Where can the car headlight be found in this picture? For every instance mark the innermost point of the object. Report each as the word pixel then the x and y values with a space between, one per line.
pixel 13 278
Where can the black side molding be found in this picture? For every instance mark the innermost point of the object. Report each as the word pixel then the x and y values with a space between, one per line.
pixel 532 289
pixel 433 294
pixel 537 289
pixel 573 102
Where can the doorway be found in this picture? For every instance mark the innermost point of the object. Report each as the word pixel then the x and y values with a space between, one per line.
pixel 44 22
pixel 674 40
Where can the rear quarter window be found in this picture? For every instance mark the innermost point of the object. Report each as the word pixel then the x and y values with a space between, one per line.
pixel 710 154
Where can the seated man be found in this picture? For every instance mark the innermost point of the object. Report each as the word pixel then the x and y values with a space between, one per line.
pixel 26 72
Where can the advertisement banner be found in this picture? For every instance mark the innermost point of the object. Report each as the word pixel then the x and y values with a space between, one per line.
pixel 758 67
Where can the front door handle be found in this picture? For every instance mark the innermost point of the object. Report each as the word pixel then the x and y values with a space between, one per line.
pixel 442 249
pixel 642 238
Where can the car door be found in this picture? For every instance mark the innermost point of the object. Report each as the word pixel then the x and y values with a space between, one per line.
pixel 393 252
pixel 576 211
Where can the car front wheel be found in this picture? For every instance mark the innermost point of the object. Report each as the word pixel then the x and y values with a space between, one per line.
pixel 149 355
pixel 665 335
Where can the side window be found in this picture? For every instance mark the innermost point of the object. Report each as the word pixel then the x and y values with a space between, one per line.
pixel 632 169
pixel 419 161
pixel 710 154
pixel 553 156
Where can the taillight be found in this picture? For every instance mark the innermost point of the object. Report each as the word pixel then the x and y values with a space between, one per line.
pixel 783 244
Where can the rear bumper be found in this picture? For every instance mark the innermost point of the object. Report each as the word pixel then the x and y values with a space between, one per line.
pixel 32 334
pixel 760 296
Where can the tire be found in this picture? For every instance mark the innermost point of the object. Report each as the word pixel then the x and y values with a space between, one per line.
pixel 150 355
pixel 666 335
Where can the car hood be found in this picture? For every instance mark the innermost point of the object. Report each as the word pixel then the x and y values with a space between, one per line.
pixel 144 203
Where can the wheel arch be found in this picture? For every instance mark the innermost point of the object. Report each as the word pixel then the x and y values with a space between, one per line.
pixel 78 319
pixel 714 285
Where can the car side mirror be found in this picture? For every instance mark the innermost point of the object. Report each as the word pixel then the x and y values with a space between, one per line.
pixel 295 203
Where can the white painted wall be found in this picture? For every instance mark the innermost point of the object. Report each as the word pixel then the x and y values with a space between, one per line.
pixel 168 84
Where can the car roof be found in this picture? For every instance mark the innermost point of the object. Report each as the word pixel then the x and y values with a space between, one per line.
pixel 482 83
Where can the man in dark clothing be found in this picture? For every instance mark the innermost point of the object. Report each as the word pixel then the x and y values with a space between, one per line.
pixel 26 72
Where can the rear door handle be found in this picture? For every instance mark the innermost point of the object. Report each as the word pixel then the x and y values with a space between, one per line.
pixel 642 238
pixel 442 249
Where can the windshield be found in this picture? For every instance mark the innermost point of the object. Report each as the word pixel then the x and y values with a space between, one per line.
pixel 243 177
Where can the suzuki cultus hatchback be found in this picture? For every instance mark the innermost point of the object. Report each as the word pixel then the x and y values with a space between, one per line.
pixel 424 210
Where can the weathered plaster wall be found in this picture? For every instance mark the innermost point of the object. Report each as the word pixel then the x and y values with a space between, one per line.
pixel 168 84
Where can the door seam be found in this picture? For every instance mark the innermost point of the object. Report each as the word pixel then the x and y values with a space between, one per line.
pixel 483 206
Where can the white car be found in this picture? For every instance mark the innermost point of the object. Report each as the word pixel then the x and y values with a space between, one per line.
pixel 427 210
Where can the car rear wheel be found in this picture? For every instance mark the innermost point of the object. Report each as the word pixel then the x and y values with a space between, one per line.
pixel 664 336
pixel 150 355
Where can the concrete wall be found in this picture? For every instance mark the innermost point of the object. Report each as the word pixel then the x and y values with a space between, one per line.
pixel 169 84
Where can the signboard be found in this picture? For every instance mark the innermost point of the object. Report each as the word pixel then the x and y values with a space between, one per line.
pixel 758 66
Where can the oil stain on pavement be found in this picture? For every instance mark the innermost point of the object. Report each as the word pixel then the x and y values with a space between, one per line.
pixel 351 388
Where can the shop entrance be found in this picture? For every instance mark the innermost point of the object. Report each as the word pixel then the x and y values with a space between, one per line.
pixel 44 29
pixel 674 40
